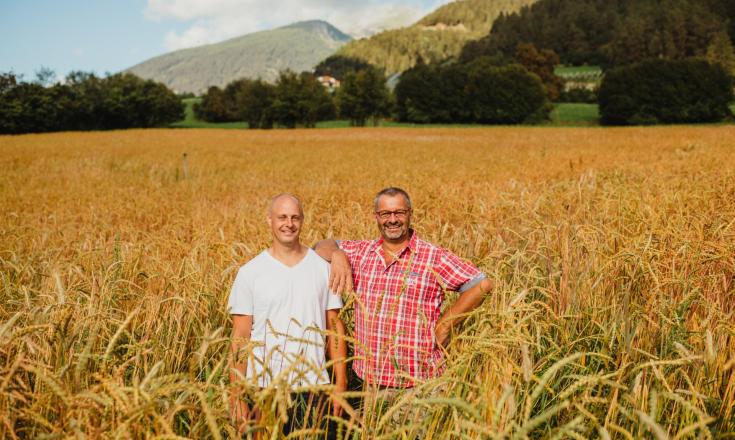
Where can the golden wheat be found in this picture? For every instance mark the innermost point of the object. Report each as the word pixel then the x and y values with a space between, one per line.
pixel 613 252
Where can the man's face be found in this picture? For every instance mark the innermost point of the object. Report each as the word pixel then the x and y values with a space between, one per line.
pixel 285 220
pixel 393 217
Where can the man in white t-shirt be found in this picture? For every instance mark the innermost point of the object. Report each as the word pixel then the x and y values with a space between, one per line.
pixel 281 303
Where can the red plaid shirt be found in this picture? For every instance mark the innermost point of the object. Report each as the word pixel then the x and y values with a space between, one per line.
pixel 398 306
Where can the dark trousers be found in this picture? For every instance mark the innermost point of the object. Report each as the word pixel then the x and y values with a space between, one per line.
pixel 311 411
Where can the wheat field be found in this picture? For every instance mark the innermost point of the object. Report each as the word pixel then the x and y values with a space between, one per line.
pixel 612 250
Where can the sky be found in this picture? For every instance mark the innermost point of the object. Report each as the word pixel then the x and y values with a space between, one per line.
pixel 109 36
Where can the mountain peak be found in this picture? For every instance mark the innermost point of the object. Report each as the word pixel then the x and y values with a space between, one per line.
pixel 322 27
pixel 298 46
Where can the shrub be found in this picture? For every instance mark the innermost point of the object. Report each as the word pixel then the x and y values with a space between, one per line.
pixel 665 91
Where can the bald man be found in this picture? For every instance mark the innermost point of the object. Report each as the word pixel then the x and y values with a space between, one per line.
pixel 280 301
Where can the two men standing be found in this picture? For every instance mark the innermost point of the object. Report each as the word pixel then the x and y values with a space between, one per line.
pixel 399 281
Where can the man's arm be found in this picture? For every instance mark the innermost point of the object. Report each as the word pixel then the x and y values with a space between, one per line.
pixel 340 272
pixel 337 352
pixel 325 248
pixel 467 301
pixel 239 411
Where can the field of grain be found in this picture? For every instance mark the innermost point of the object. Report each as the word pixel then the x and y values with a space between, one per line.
pixel 613 252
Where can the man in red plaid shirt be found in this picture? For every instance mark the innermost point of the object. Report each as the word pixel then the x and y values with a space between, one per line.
pixel 399 280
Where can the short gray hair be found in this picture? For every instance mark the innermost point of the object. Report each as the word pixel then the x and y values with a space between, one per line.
pixel 392 192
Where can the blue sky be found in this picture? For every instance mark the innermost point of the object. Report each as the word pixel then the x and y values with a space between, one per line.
pixel 109 36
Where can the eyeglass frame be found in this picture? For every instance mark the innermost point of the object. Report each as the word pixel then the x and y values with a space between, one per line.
pixel 399 213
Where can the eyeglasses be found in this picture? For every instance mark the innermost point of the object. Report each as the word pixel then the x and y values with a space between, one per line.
pixel 399 213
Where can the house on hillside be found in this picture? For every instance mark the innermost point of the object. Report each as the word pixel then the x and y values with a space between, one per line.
pixel 331 83
pixel 589 80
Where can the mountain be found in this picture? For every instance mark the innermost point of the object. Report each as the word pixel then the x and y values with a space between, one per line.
pixel 298 47
pixel 437 36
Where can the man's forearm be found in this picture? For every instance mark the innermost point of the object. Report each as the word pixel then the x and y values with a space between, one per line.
pixel 325 248
pixel 238 366
pixel 337 348
pixel 466 302
pixel 241 327
pixel 340 272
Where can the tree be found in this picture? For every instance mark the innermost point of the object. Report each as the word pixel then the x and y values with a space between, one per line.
pixel 8 80
pixel 670 29
pixel 609 32
pixel 300 99
pixel 480 91
pixel 45 76
pixel 338 66
pixel 253 102
pixel 363 95
pixel 417 95
pixel 576 30
pixel 86 102
pixel 720 51
pixel 505 94
pixel 542 63
pixel 665 91
pixel 230 92
pixel 213 107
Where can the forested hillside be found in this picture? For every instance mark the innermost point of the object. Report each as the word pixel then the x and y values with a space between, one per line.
pixel 611 32
pixel 438 36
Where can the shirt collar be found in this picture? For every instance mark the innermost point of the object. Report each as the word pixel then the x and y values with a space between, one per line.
pixel 412 242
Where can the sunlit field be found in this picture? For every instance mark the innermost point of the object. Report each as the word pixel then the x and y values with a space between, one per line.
pixel 613 253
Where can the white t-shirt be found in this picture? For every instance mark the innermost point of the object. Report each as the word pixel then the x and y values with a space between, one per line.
pixel 288 305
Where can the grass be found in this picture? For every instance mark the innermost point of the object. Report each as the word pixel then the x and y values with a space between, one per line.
pixel 191 121
pixel 563 114
pixel 574 114
pixel 612 251
pixel 563 71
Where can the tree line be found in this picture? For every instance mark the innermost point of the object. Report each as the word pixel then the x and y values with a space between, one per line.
pixel 486 90
pixel 84 101
pixel 299 99
pixel 483 91
pixel 664 91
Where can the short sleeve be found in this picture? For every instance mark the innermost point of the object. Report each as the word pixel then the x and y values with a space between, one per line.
pixel 456 274
pixel 334 301
pixel 241 296
pixel 353 248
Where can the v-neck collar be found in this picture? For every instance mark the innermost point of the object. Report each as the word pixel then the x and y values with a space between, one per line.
pixel 284 265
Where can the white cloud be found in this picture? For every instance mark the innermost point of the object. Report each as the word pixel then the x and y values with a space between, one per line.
pixel 217 20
